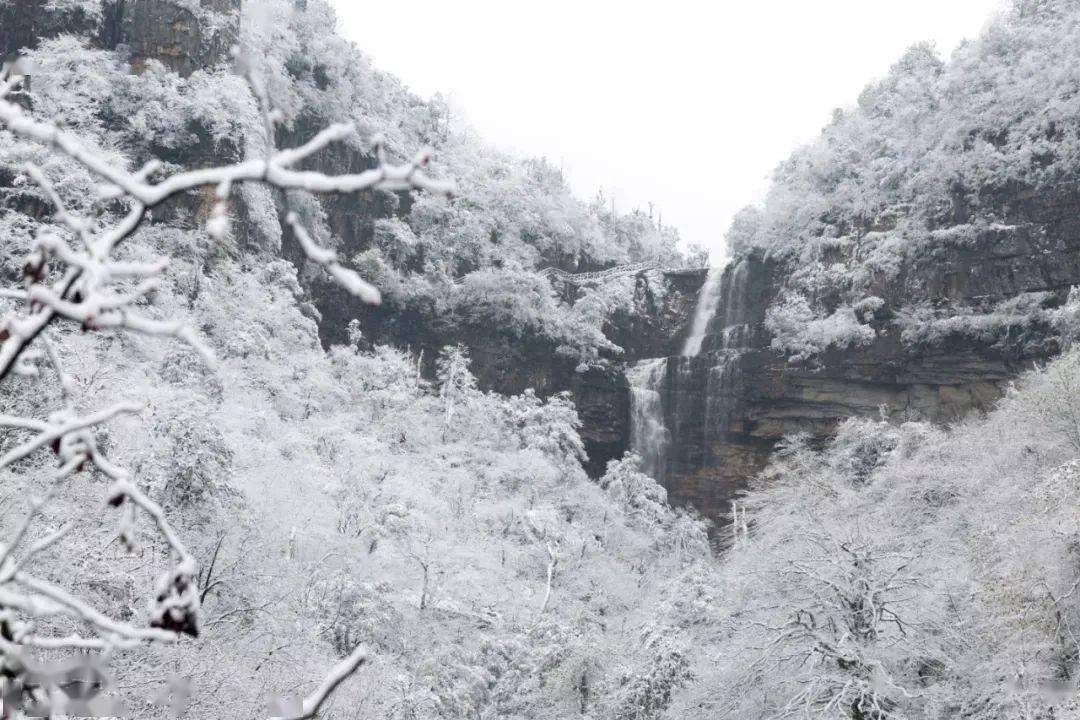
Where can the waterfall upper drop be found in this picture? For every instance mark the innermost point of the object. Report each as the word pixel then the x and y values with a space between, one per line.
pixel 649 437
pixel 704 312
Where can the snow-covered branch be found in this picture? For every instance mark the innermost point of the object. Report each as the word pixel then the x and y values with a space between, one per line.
pixel 28 603
pixel 278 170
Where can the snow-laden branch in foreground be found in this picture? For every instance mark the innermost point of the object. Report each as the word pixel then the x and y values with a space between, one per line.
pixel 27 602
pixel 94 290
pixel 277 170
pixel 73 274
pixel 25 599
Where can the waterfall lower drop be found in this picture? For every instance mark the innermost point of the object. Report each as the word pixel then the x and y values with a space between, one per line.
pixel 649 437
pixel 703 313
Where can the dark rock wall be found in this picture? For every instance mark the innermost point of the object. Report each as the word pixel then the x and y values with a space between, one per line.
pixel 175 36
pixel 24 23
pixel 161 30
pixel 20 26
pixel 663 306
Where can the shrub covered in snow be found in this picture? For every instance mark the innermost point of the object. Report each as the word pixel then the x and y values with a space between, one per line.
pixel 800 333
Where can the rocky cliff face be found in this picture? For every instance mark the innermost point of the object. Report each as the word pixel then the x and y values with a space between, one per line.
pixel 726 408
pixel 182 36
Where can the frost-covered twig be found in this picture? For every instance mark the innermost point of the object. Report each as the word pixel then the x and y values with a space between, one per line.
pixel 27 600
pixel 328 259
pixel 841 625
pixel 67 432
pixel 277 171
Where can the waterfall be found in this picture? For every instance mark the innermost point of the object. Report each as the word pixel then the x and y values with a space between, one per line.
pixel 688 413
pixel 708 299
pixel 649 438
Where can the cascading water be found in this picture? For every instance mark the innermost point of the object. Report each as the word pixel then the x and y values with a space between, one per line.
pixel 730 326
pixel 686 410
pixel 721 389
pixel 649 437
pixel 703 313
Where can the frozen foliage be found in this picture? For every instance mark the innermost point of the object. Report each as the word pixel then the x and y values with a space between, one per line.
pixel 440 543
pixel 799 333
pixel 929 156
pixel 524 303
pixel 91 8
pixel 927 324
pixel 932 132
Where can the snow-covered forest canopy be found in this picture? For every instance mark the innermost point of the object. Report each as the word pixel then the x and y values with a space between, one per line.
pixel 934 156
pixel 209 510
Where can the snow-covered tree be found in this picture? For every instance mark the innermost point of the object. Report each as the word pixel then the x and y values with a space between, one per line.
pixel 456 382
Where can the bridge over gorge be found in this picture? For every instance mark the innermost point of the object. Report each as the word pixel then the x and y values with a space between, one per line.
pixel 553 273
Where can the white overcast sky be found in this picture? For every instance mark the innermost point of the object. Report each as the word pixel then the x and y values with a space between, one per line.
pixel 688 104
